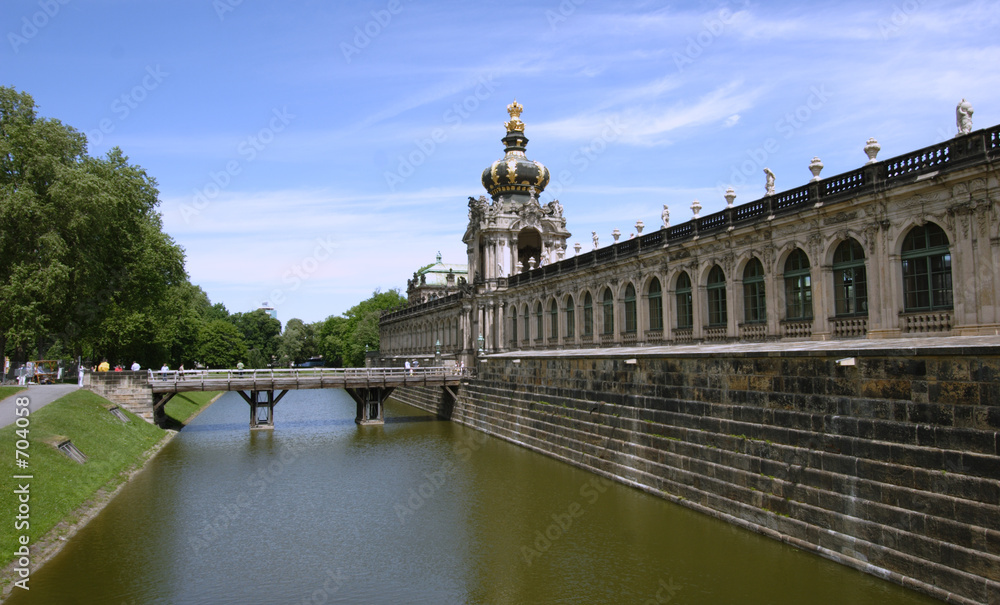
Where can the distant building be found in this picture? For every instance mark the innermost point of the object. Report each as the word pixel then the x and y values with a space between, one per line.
pixel 268 309
pixel 435 281
pixel 903 247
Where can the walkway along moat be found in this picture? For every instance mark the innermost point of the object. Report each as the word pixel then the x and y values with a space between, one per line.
pixel 419 510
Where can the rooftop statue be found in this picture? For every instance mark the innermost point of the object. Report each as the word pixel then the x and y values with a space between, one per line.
pixel 963 117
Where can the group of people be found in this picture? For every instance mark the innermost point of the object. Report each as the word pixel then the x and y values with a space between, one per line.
pixel 104 366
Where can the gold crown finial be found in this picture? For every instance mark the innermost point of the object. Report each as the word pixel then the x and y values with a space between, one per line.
pixel 515 124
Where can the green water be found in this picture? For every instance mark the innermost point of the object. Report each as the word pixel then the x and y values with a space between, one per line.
pixel 418 511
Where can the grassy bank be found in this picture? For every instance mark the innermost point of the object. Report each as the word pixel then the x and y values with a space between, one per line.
pixel 60 487
pixel 8 391
pixel 184 406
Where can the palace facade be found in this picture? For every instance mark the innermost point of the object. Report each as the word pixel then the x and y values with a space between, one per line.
pixel 903 247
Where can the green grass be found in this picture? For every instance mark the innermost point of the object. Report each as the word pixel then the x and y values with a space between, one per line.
pixel 8 391
pixel 183 406
pixel 59 485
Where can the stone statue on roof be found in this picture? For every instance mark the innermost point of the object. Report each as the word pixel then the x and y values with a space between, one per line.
pixel 963 117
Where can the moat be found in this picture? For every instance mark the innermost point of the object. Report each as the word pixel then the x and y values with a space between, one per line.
pixel 419 510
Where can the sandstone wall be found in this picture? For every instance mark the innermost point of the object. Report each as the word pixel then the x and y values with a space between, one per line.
pixel 129 389
pixel 891 466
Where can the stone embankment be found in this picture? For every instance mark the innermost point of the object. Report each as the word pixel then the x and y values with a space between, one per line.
pixel 884 460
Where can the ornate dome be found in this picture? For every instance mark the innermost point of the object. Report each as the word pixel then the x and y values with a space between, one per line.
pixel 514 173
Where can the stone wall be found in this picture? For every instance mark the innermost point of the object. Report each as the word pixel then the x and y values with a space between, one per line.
pixel 890 465
pixel 130 390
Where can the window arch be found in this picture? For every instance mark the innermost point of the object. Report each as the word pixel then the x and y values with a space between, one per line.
pixel 588 315
pixel 798 286
pixel 631 323
pixel 716 289
pixel 754 299
pixel 608 312
pixel 850 280
pixel 655 297
pixel 553 319
pixel 926 269
pixel 685 306
pixel 570 318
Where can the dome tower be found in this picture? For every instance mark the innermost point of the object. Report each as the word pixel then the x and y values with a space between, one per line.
pixel 513 232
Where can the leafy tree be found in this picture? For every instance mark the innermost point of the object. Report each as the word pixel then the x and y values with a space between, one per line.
pixel 220 345
pixel 348 338
pixel 86 265
pixel 297 343
pixel 260 332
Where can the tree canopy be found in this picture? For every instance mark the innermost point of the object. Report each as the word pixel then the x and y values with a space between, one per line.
pixel 344 340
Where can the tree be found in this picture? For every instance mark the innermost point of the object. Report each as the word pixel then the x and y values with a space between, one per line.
pixel 348 338
pixel 86 265
pixel 260 332
pixel 221 345
pixel 297 343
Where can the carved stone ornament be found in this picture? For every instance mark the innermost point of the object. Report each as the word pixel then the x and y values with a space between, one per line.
pixel 871 150
pixel 730 196
pixel 769 182
pixel 815 166
pixel 695 208
pixel 963 117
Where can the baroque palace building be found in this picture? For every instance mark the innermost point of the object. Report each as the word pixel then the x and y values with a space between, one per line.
pixel 903 247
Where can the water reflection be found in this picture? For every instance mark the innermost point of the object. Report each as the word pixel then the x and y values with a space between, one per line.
pixel 415 511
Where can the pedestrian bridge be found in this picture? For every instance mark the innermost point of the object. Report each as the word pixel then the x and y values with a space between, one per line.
pixel 369 387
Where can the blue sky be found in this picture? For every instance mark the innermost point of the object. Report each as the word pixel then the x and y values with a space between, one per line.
pixel 310 152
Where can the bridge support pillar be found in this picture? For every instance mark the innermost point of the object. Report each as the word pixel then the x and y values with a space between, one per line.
pixel 262 408
pixel 369 401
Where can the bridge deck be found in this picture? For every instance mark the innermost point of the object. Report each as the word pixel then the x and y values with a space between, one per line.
pixel 302 378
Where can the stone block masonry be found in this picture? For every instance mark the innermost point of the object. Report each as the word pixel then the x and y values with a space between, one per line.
pixel 128 389
pixel 890 465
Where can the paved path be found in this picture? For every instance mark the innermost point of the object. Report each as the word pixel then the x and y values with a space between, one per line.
pixel 40 396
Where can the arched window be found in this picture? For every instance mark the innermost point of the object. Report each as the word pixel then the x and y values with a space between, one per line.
pixel 630 320
pixel 570 318
pixel 608 304
pixel 798 286
pixel 926 269
pixel 685 307
pixel 655 296
pixel 527 325
pixel 754 301
pixel 716 297
pixel 850 282
pixel 553 319
pixel 588 315
pixel 539 331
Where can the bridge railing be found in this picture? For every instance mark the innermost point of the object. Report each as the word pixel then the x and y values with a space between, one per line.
pixel 271 374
